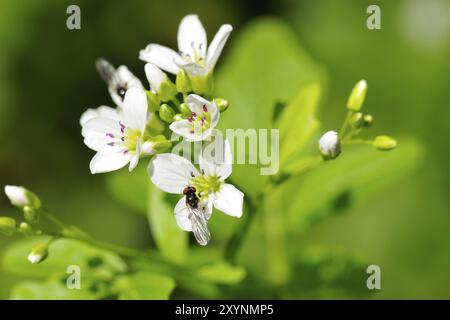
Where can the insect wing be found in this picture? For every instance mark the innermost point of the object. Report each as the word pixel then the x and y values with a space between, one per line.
pixel 197 216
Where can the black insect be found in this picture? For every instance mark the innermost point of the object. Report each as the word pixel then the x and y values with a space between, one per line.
pixel 197 215
pixel 191 197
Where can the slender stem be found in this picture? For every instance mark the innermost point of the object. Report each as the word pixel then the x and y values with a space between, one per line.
pixel 357 141
pixel 345 124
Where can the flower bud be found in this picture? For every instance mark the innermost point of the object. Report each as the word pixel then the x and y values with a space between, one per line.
pixel 38 254
pixel 182 82
pixel 384 143
pixel 31 214
pixel 160 82
pixel 7 226
pixel 21 197
pixel 166 113
pixel 368 120
pixel 185 109
pixel 178 117
pixel 357 97
pixel 329 145
pixel 356 120
pixel 152 101
pixel 221 104
pixel 202 84
pixel 156 144
pixel 25 229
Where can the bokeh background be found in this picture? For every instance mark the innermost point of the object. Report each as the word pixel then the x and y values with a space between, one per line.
pixel 48 79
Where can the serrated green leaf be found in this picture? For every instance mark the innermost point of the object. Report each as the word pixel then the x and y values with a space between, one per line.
pixel 93 262
pixel 145 286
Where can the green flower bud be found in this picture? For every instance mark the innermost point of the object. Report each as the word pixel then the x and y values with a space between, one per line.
pixel 156 144
pixel 25 229
pixel 178 117
pixel 357 97
pixel 182 82
pixel 31 214
pixel 21 197
pixel 38 254
pixel 7 226
pixel 152 101
pixel 368 120
pixel 384 143
pixel 160 82
pixel 202 85
pixel 356 120
pixel 185 109
pixel 166 113
pixel 221 104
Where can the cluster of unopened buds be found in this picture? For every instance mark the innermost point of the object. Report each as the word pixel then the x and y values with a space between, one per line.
pixel 355 121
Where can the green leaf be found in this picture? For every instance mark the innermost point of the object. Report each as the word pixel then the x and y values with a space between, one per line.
pixel 144 286
pixel 357 175
pixel 94 263
pixel 265 65
pixel 130 188
pixel 298 122
pixel 221 272
pixel 53 289
pixel 172 242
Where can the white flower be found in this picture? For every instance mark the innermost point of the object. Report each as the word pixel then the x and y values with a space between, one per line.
pixel 194 57
pixel 119 80
pixel 203 119
pixel 174 174
pixel 160 83
pixel 118 139
pixel 329 144
pixel 21 197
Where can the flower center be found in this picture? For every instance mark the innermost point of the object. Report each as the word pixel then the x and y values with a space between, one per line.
pixel 198 57
pixel 199 122
pixel 205 185
pixel 128 139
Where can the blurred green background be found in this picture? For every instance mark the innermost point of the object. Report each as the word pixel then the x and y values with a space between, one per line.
pixel 48 79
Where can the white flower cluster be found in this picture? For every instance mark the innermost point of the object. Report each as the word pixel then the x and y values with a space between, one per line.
pixel 135 127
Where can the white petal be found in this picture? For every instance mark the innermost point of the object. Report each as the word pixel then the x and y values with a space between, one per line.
pixel 217 44
pixel 192 37
pixel 163 57
pixel 184 129
pixel 102 111
pixel 125 79
pixel 182 215
pixel 135 159
pixel 17 195
pixel 135 109
pixel 154 76
pixel 98 133
pixel 195 103
pixel 216 159
pixel 170 172
pixel 106 162
pixel 229 200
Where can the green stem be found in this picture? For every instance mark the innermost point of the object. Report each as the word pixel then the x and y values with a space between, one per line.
pixel 356 141
pixel 345 124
